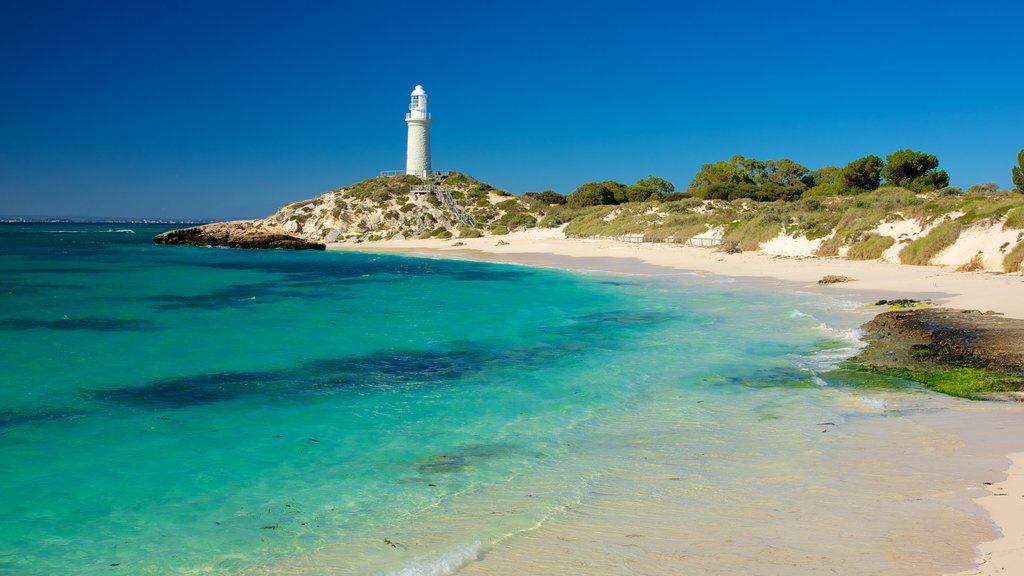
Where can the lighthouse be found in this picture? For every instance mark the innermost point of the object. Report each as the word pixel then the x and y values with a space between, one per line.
pixel 417 156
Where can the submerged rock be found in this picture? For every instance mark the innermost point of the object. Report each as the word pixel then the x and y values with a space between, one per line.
pixel 243 234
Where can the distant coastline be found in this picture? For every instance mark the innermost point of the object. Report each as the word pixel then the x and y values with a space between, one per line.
pixel 99 220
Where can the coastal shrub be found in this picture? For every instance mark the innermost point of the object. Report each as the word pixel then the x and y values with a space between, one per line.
pixel 499 230
pixel 459 179
pixel 382 188
pixel 406 207
pixel 678 230
pixel 478 193
pixel 484 214
pixel 596 194
pixel 975 264
pixel 516 220
pixel 1015 219
pixel 986 189
pixel 550 221
pixel 547 197
pixel 1012 261
pixel 507 205
pixel 440 232
pixel 921 251
pixel 870 247
pixel 725 191
pixel 749 235
pixel 469 232
pixel 853 223
pixel 980 207
pixel 827 190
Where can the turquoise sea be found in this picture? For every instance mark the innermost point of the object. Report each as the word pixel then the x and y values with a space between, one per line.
pixel 181 410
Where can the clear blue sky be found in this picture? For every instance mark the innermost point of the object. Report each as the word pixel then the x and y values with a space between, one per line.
pixel 171 109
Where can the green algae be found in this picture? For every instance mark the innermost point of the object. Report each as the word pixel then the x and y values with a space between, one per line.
pixel 969 383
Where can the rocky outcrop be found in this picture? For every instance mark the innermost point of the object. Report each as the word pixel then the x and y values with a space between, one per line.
pixel 381 208
pixel 943 338
pixel 241 234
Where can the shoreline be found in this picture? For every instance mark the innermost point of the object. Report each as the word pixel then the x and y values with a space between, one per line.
pixel 1005 506
pixel 872 280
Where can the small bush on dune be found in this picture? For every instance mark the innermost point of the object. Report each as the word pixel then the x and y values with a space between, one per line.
pixel 440 232
pixel 459 179
pixel 1012 261
pixel 751 234
pixel 852 224
pixel 975 264
pixel 469 232
pixel 921 251
pixel 980 207
pixel 1015 219
pixel 517 220
pixel 871 247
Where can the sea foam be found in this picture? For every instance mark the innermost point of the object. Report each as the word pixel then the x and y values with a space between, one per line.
pixel 441 564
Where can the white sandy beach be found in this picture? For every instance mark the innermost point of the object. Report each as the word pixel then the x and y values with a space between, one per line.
pixel 872 280
pixel 944 286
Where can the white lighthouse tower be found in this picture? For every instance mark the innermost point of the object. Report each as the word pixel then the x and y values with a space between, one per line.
pixel 417 157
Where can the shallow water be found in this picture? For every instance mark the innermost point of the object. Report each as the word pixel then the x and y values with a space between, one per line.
pixel 209 411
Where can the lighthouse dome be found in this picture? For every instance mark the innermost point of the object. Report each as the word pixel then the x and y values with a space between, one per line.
pixel 419 91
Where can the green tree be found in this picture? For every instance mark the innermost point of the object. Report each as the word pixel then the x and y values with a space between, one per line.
pixel 863 173
pixel 551 197
pixel 755 169
pixel 592 194
pixel 618 190
pixel 914 171
pixel 823 175
pixel 638 193
pixel 719 173
pixel 650 188
pixel 660 185
pixel 786 173
pixel 1018 172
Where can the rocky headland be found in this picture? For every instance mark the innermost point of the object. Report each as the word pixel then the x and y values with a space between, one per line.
pixel 382 208
pixel 241 234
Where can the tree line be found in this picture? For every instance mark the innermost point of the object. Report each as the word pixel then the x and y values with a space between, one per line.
pixel 784 179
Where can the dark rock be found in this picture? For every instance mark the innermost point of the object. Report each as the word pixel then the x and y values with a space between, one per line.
pixel 832 279
pixel 236 235
pixel 942 338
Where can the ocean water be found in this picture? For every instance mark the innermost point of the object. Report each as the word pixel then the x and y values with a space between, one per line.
pixel 182 410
